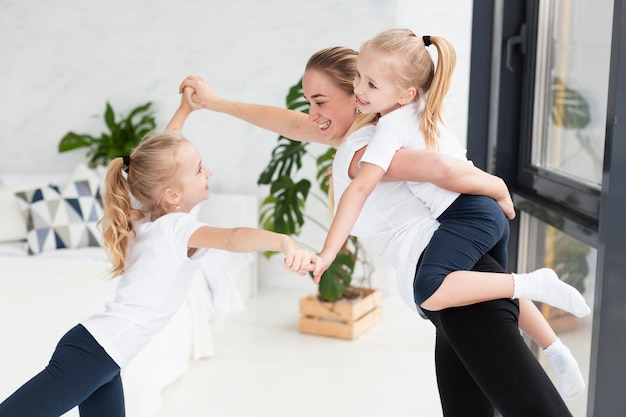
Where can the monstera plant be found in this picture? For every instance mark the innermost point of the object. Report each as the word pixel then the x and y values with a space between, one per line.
pixel 284 209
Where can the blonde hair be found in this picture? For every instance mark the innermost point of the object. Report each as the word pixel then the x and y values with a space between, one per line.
pixel 151 169
pixel 406 57
pixel 339 63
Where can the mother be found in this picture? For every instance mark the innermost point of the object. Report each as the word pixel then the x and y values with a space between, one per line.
pixel 481 359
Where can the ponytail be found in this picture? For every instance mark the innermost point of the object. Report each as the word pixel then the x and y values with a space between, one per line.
pixel 436 92
pixel 119 215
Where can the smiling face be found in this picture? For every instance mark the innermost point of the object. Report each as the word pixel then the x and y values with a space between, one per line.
pixel 375 88
pixel 193 177
pixel 330 107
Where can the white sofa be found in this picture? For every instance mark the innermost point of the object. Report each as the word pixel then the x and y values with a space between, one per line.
pixel 44 295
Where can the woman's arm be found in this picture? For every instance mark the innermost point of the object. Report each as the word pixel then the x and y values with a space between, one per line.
pixel 446 172
pixel 289 123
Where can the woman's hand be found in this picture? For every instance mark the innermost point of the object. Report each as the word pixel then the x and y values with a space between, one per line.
pixel 203 94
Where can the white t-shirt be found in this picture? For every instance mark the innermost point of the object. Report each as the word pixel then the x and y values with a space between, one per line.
pixel 152 289
pixel 401 129
pixel 396 223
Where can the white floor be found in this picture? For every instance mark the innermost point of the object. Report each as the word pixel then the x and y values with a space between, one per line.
pixel 264 367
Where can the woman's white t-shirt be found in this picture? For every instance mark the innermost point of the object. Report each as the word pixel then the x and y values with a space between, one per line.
pixel 152 289
pixel 393 220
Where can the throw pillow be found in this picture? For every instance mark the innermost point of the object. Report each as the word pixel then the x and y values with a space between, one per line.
pixel 58 219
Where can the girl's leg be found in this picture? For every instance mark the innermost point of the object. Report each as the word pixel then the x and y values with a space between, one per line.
pixel 471 227
pixel 78 367
pixel 461 288
pixel 106 401
pixel 570 380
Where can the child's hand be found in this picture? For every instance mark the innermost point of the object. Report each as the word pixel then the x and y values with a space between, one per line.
pixel 187 100
pixel 506 204
pixel 298 259
pixel 326 259
pixel 204 95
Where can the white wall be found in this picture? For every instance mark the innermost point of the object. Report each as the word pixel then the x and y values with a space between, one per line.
pixel 62 60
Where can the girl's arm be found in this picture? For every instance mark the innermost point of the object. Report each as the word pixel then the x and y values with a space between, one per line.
pixel 245 239
pixel 348 210
pixel 292 124
pixel 182 112
pixel 446 172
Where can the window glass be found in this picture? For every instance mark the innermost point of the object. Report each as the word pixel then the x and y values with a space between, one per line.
pixel 573 52
pixel 541 246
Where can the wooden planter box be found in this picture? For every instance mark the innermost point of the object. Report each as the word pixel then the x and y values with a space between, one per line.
pixel 344 319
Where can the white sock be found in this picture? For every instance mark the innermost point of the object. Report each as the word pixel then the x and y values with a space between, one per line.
pixel 570 380
pixel 545 286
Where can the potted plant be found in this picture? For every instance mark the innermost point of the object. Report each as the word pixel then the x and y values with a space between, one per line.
pixel 284 211
pixel 123 135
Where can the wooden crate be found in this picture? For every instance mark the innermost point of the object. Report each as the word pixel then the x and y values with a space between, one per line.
pixel 344 319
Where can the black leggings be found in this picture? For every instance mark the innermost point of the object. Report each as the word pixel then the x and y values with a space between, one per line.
pixel 483 362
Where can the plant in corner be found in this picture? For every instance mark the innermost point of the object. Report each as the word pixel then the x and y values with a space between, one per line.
pixel 123 135
pixel 284 209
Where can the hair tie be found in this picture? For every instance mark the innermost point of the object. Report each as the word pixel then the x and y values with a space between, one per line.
pixel 426 39
pixel 126 160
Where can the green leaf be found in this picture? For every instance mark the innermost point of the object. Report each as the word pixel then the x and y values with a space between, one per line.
pixel 324 169
pixel 287 204
pixel 109 117
pixel 295 98
pixel 286 160
pixel 337 277
pixel 73 141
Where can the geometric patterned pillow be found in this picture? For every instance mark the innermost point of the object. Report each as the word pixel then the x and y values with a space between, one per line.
pixel 61 219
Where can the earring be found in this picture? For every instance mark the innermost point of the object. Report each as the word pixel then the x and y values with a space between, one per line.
pixel 177 207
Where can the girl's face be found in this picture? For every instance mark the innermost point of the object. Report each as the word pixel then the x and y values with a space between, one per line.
pixel 330 107
pixel 193 177
pixel 374 87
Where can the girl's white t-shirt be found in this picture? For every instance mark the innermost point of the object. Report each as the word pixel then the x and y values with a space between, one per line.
pixel 396 223
pixel 401 129
pixel 152 289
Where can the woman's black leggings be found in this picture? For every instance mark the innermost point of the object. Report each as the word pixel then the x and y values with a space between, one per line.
pixel 483 362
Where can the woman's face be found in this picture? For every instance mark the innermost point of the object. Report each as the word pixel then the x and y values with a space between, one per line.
pixel 330 107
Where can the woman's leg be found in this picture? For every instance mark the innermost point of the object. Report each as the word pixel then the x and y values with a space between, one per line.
pixel 484 338
pixel 459 394
pixel 77 369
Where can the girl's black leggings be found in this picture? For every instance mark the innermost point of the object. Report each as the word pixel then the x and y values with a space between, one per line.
pixel 482 362
pixel 79 373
